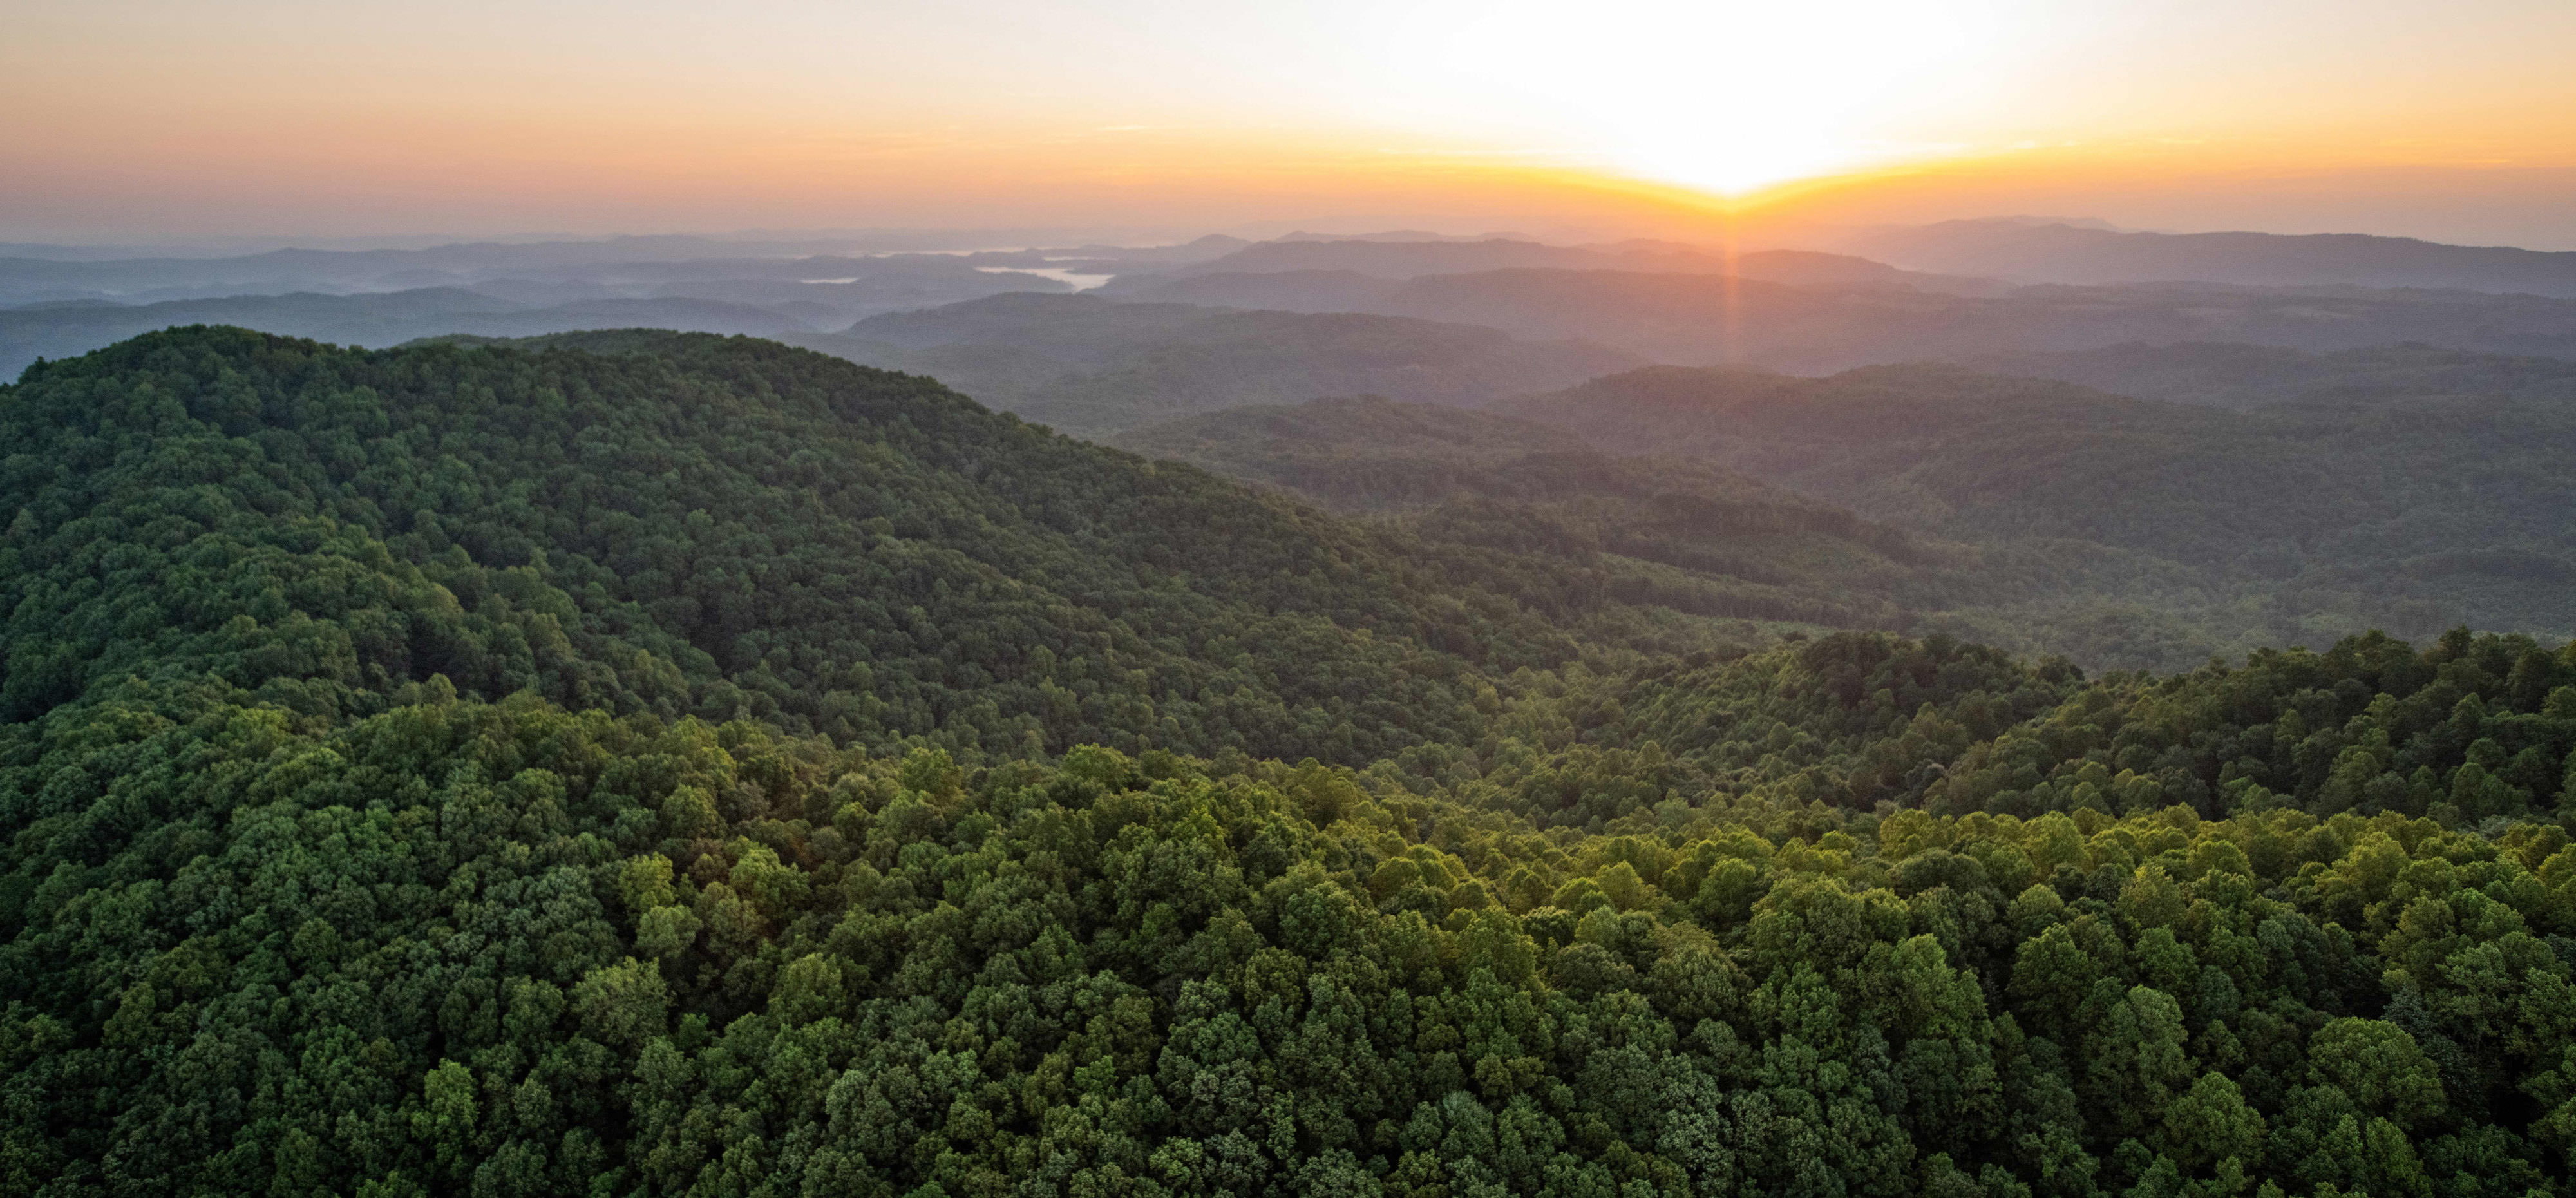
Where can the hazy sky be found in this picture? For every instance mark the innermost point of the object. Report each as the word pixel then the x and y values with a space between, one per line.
pixel 145 118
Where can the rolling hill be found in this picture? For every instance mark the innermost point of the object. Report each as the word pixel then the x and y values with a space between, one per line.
pixel 377 319
pixel 2253 376
pixel 2414 512
pixel 1812 327
pixel 1091 365
pixel 1666 532
pixel 693 524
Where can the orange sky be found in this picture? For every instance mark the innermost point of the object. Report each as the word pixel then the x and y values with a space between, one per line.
pixel 149 118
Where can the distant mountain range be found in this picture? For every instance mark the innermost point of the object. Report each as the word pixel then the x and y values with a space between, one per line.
pixel 623 268
pixel 2055 253
pixel 1219 322
pixel 1703 319
pixel 1384 260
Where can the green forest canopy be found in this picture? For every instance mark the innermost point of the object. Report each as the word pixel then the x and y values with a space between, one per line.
pixel 2362 508
pixel 714 527
pixel 288 910
pixel 1678 533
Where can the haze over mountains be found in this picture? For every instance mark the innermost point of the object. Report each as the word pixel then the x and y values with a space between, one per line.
pixel 30 273
pixel 1818 313
pixel 1091 365
pixel 1407 260
pixel 1967 294
pixel 2175 543
pixel 52 307
pixel 2048 518
pixel 2037 515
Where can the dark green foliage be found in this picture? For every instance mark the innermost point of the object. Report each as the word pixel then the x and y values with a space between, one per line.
pixel 383 318
pixel 1668 532
pixel 516 950
pixel 2471 732
pixel 718 527
pixel 1666 525
pixel 281 911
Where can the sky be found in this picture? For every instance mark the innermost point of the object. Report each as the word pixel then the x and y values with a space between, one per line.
pixel 137 120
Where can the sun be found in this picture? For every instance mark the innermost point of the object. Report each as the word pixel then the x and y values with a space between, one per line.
pixel 1731 157
pixel 1728 98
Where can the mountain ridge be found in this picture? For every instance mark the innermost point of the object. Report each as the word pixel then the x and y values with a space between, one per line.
pixel 2056 253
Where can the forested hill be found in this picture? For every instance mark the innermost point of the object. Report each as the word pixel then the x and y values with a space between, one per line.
pixel 2354 507
pixel 714 527
pixel 65 330
pixel 1821 325
pixel 1370 452
pixel 2254 376
pixel 655 769
pixel 1669 532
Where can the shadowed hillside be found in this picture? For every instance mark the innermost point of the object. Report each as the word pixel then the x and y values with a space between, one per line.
pixel 693 525
pixel 1093 366
pixel 2413 513
pixel 1708 319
